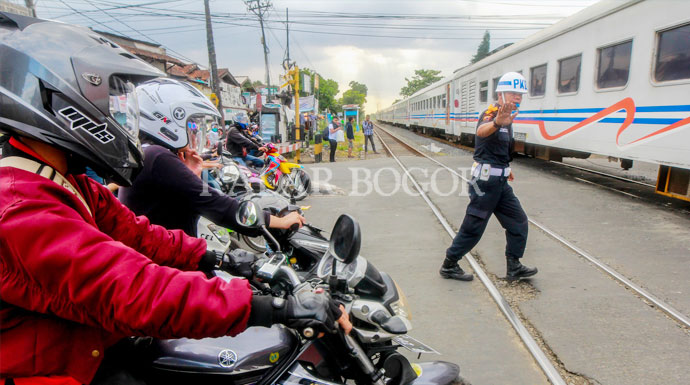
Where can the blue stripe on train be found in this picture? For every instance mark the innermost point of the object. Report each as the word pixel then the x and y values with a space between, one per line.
pixel 685 107
pixel 605 120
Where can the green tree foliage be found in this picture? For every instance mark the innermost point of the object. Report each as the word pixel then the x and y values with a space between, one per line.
pixel 359 87
pixel 353 97
pixel 483 49
pixel 357 94
pixel 328 88
pixel 421 79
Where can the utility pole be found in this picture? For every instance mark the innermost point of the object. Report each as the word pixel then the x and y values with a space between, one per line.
pixel 215 83
pixel 259 8
pixel 287 29
pixel 32 7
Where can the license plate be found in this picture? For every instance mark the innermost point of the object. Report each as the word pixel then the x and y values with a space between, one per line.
pixel 413 345
pixel 521 136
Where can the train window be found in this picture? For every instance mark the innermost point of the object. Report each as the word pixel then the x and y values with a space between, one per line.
pixel 483 91
pixel 443 98
pixel 537 79
pixel 493 90
pixel 614 65
pixel 569 74
pixel 673 54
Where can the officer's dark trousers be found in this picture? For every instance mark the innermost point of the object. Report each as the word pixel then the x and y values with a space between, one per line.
pixel 498 198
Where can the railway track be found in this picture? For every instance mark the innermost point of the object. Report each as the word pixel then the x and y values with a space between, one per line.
pixel 392 142
pixel 643 294
pixel 532 346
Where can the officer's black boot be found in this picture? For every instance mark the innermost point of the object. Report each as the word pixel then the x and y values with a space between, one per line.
pixel 517 270
pixel 451 270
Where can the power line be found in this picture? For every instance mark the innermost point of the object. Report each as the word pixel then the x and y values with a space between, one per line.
pixel 140 33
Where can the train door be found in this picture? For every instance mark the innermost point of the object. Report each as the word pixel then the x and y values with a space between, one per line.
pixel 446 102
pixel 468 102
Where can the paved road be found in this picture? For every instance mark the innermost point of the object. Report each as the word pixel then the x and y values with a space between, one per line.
pixel 401 237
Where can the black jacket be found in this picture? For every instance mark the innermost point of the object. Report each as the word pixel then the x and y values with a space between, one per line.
pixel 236 141
pixel 170 195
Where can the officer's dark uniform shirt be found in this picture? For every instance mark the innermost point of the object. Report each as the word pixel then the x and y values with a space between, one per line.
pixel 497 148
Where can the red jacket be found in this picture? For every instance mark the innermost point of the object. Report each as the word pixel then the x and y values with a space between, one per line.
pixel 72 284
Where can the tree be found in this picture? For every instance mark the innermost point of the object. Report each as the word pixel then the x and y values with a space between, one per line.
pixel 328 88
pixel 483 49
pixel 353 97
pixel 421 79
pixel 359 87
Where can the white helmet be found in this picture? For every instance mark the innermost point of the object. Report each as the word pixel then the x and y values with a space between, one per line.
pixel 169 109
pixel 512 82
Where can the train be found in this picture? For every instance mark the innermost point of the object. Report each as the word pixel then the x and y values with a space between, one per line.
pixel 612 79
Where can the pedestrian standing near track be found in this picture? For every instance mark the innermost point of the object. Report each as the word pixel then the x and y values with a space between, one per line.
pixel 490 191
pixel 333 129
pixel 368 127
pixel 350 136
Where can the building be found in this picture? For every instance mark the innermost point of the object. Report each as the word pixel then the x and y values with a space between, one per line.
pixel 7 6
pixel 154 54
pixel 151 53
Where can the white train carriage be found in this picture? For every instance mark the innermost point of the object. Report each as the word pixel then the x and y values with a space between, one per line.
pixel 613 79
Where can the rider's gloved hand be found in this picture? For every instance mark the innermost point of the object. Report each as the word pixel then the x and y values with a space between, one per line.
pixel 237 262
pixel 306 309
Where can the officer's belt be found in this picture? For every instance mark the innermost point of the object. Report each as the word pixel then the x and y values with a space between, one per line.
pixel 492 171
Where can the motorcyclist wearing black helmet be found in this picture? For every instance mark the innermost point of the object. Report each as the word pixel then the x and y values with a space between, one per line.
pixel 78 270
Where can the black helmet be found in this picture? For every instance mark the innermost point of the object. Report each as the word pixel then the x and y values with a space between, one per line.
pixel 73 89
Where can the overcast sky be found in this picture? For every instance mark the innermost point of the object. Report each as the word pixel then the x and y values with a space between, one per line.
pixel 375 42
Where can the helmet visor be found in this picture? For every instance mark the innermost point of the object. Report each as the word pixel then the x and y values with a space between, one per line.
pixel 124 106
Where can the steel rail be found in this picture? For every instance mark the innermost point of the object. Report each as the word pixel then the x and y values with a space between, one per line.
pixel 660 304
pixel 542 360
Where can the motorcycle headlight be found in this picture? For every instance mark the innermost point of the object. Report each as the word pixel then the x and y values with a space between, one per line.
pixel 401 306
pixel 230 174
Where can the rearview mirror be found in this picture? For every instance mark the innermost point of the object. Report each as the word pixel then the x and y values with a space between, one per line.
pixel 249 214
pixel 345 239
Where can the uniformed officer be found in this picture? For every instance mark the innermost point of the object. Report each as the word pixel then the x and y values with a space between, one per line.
pixel 489 188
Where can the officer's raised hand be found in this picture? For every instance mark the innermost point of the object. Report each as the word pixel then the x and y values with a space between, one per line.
pixel 504 116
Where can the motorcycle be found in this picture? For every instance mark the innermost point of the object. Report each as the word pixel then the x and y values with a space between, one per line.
pixel 278 355
pixel 289 179
pixel 239 182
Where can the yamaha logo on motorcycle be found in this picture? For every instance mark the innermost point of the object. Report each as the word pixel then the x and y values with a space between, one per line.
pixel 227 358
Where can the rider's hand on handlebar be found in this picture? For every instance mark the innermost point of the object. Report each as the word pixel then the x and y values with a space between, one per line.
pixel 211 164
pixel 344 321
pixel 316 310
pixel 287 221
pixel 263 149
